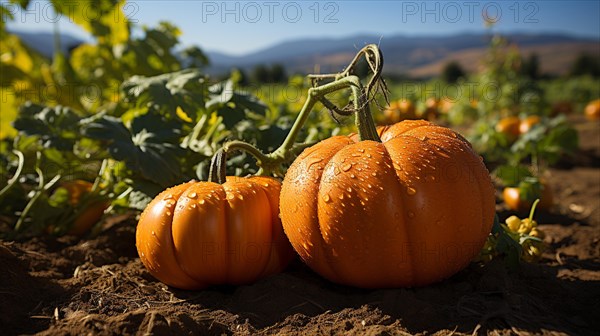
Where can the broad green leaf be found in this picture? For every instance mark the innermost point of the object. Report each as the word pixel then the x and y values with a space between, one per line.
pixel 150 146
pixel 164 93
pixel 510 175
pixel 55 126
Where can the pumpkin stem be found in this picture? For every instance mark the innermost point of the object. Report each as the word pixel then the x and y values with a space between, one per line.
pixel 363 118
pixel 218 163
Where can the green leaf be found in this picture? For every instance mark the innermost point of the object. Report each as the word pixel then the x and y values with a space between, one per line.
pixel 510 175
pixel 164 93
pixel 53 125
pixel 150 147
pixel 233 105
pixel 530 189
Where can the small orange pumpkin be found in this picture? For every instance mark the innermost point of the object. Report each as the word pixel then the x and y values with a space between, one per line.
pixel 510 127
pixel 592 110
pixel 408 211
pixel 203 233
pixel 87 217
pixel 512 199
pixel 399 110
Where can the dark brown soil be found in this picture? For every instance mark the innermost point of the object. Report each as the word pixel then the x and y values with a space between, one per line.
pixel 99 286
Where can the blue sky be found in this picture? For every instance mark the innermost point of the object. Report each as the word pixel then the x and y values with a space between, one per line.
pixel 238 27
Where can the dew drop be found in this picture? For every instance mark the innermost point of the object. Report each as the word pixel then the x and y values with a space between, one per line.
pixel 230 197
pixel 201 201
pixel 349 189
pixel 192 195
pixel 193 206
pixel 424 138
pixel 352 176
pixel 369 185
pixel 411 214
pixel 168 197
pixel 361 150
pixel 430 178
pixel 341 196
pixel 326 198
pixel 411 191
pixel 374 173
pixel 347 167
pixel 315 160
pixel 153 233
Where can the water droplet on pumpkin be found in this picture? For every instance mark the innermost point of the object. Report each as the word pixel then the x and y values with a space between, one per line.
pixel 374 173
pixel 341 196
pixel 315 160
pixel 423 138
pixel 411 191
pixel 369 185
pixel 153 233
pixel 411 214
pixel 336 171
pixel 352 176
pixel 349 189
pixel 453 135
pixel 168 197
pixel 193 206
pixel 361 150
pixel 192 195
pixel 230 197
pixel 326 198
pixel 347 167
pixel 430 178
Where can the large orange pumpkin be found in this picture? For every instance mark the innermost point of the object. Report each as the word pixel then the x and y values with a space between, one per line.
pixel 203 233
pixel 409 211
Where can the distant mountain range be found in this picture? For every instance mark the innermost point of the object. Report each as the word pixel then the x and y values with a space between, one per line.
pixel 43 42
pixel 418 56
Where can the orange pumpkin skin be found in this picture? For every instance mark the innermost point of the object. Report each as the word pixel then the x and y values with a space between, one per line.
pixel 409 211
pixel 510 126
pixel 203 233
pixel 85 218
pixel 399 110
pixel 512 199
pixel 592 110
